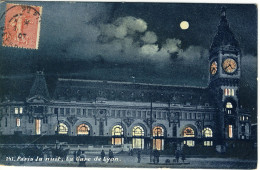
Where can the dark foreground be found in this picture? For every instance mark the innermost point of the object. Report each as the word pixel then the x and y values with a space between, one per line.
pixel 131 161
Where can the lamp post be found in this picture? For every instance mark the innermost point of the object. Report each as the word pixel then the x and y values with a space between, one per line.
pixel 58 128
pixel 151 132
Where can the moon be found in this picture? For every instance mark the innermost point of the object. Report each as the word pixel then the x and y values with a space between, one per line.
pixel 184 25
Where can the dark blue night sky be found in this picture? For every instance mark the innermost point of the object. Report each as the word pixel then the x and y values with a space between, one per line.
pixel 119 41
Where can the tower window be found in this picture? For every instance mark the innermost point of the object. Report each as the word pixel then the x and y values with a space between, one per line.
pixel 18 122
pixel 37 126
pixel 16 110
pixel 21 110
pixel 229 92
pixel 230 131
pixel 229 105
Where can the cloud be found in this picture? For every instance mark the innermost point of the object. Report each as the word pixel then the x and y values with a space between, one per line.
pixel 122 27
pixel 194 54
pixel 172 45
pixel 149 37
pixel 128 39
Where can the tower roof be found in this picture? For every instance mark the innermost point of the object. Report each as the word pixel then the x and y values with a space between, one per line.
pixel 224 36
pixel 39 88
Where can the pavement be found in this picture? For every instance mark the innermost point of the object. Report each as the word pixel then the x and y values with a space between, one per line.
pixel 125 161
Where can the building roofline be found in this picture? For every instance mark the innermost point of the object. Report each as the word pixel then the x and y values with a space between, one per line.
pixel 130 83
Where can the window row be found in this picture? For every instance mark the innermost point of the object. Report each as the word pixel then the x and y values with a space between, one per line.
pixel 31 120
pixel 132 113
pixel 243 118
pixel 18 110
pixel 229 92
pixel 189 132
pixel 198 116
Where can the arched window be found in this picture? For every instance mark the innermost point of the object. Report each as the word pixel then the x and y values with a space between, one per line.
pixel 63 129
pixel 188 132
pixel 207 132
pixel 83 129
pixel 158 141
pixel 158 131
pixel 138 131
pixel 117 135
pixel 229 105
pixel 138 141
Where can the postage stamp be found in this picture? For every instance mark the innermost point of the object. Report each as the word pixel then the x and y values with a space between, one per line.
pixel 22 26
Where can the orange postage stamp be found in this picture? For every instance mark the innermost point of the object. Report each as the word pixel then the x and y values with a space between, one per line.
pixel 22 26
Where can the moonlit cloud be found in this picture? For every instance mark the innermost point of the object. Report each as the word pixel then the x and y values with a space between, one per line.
pixel 149 37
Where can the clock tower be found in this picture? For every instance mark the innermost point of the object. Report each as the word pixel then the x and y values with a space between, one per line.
pixel 224 68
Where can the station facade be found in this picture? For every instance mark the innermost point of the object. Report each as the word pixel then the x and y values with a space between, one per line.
pixel 138 114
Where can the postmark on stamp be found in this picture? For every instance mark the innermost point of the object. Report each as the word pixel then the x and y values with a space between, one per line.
pixel 22 26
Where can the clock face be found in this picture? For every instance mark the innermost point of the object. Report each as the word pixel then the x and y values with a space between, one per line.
pixel 214 68
pixel 229 65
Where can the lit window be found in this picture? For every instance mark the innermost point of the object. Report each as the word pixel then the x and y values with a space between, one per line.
pixel 207 132
pixel 232 92
pixel 158 143
pixel 83 129
pixel 208 143
pixel 188 132
pixel 229 92
pixel 225 92
pixel 117 130
pixel 37 126
pixel 229 105
pixel 117 133
pixel 138 131
pixel 229 112
pixel 157 131
pixel 63 129
pixel 18 122
pixel 16 110
pixel 230 131
pixel 190 143
pixel 21 110
pixel 138 141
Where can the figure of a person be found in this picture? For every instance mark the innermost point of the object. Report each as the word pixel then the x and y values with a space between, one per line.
pixel 157 156
pixel 183 156
pixel 102 155
pixel 82 160
pixel 177 155
pixel 139 156
pixel 110 155
pixel 74 156
pixel 78 153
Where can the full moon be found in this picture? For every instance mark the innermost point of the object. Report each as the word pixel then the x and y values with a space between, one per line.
pixel 184 25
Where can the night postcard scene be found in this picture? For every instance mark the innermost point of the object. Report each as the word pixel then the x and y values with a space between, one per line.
pixel 144 85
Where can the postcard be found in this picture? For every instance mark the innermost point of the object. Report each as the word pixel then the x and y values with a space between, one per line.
pixel 128 85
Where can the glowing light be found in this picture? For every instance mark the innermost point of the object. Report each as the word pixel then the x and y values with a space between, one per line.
pixel 184 25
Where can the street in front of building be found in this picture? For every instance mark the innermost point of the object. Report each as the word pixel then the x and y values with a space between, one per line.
pixel 165 161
